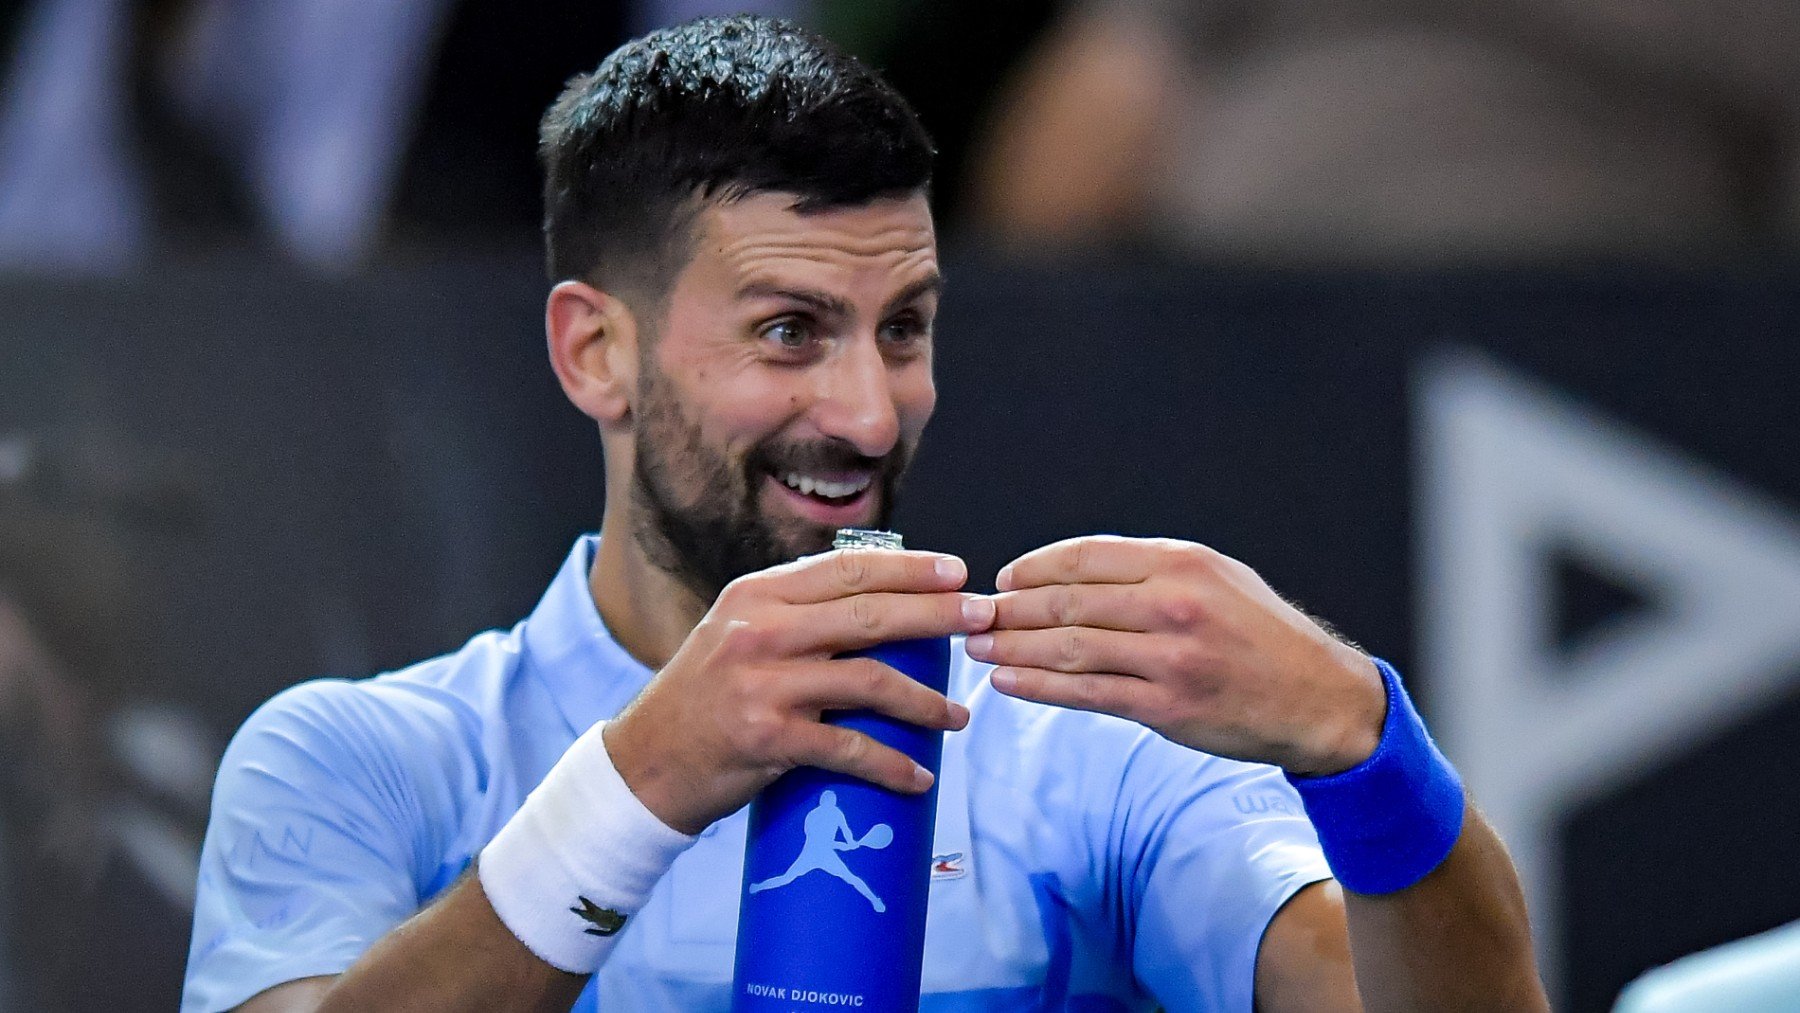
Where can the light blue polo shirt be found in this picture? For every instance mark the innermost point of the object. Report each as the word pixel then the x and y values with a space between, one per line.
pixel 1081 862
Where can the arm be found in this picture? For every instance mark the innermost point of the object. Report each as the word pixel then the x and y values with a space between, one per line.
pixel 309 876
pixel 1195 646
pixel 454 955
pixel 1457 939
pixel 298 996
pixel 507 936
pixel 738 705
pixel 1469 906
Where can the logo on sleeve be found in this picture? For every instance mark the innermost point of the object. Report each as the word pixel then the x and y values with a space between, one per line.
pixel 602 921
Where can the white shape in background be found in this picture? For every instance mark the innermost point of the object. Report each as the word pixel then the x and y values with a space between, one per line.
pixel 70 195
pixel 1509 471
pixel 171 755
pixel 167 749
pixel 324 95
pixel 314 101
pixel 16 456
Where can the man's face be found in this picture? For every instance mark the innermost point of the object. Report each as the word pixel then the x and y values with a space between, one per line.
pixel 785 389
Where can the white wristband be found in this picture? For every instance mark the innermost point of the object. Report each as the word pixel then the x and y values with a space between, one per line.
pixel 577 860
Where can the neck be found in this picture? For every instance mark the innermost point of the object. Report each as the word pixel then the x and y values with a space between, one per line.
pixel 648 612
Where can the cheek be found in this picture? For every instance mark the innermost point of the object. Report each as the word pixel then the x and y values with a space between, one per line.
pixel 756 409
pixel 915 397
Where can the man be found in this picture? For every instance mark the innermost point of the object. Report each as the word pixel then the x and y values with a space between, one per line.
pixel 737 217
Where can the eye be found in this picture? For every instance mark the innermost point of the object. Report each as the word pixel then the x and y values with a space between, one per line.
pixel 908 328
pixel 790 333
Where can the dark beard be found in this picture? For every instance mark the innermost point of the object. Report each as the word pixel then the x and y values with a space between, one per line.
pixel 716 533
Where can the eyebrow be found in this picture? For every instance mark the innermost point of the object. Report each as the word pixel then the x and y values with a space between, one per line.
pixel 932 284
pixel 825 302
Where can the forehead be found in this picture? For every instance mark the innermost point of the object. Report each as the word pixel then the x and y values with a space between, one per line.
pixel 888 241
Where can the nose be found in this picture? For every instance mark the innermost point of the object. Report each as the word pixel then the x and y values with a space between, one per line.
pixel 855 400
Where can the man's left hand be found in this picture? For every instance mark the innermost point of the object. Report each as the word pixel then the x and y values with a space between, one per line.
pixel 1188 642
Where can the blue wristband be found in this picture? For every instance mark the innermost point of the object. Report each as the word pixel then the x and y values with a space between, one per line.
pixel 1392 818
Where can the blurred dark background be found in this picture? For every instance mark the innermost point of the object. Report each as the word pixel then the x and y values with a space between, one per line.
pixel 1474 333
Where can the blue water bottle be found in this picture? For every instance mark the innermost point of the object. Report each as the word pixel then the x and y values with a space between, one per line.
pixel 836 870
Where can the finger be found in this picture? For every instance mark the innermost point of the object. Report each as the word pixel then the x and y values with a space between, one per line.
pixel 844 572
pixel 845 751
pixel 1119 695
pixel 1090 559
pixel 1129 607
pixel 1070 649
pixel 864 620
pixel 867 684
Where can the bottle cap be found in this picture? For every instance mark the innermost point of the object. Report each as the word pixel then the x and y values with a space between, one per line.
pixel 862 538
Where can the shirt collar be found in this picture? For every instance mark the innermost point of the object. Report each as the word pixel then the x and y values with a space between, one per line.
pixel 567 645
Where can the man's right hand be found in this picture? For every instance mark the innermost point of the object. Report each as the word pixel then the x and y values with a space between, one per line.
pixel 740 703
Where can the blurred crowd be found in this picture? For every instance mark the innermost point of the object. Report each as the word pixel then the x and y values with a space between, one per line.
pixel 330 131
pixel 1378 131
pixel 1401 132
pixel 106 777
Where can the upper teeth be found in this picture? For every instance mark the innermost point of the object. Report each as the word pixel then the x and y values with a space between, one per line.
pixel 811 486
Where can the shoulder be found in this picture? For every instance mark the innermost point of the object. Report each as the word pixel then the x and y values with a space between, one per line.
pixel 434 704
pixel 355 757
pixel 411 738
pixel 336 774
pixel 340 719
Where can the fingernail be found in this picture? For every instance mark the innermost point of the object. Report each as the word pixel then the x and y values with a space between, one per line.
pixel 1003 579
pixel 952 569
pixel 921 777
pixel 979 611
pixel 979 645
pixel 959 715
pixel 1004 679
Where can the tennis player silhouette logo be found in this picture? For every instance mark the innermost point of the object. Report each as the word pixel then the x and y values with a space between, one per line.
pixel 828 833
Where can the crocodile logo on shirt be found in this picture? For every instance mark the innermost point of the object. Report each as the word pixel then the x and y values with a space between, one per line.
pixel 602 921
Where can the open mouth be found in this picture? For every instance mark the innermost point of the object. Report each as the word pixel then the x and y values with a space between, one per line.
pixel 840 498
pixel 840 491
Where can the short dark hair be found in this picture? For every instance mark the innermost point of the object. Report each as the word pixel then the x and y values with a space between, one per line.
pixel 713 109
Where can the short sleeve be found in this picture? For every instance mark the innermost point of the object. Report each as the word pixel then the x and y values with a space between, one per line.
pixel 1224 846
pixel 329 816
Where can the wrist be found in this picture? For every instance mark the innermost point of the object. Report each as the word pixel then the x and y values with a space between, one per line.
pixel 578 860
pixel 670 770
pixel 1357 718
pixel 655 782
pixel 1388 821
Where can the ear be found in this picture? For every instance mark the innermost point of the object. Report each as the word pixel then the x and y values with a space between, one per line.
pixel 593 348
